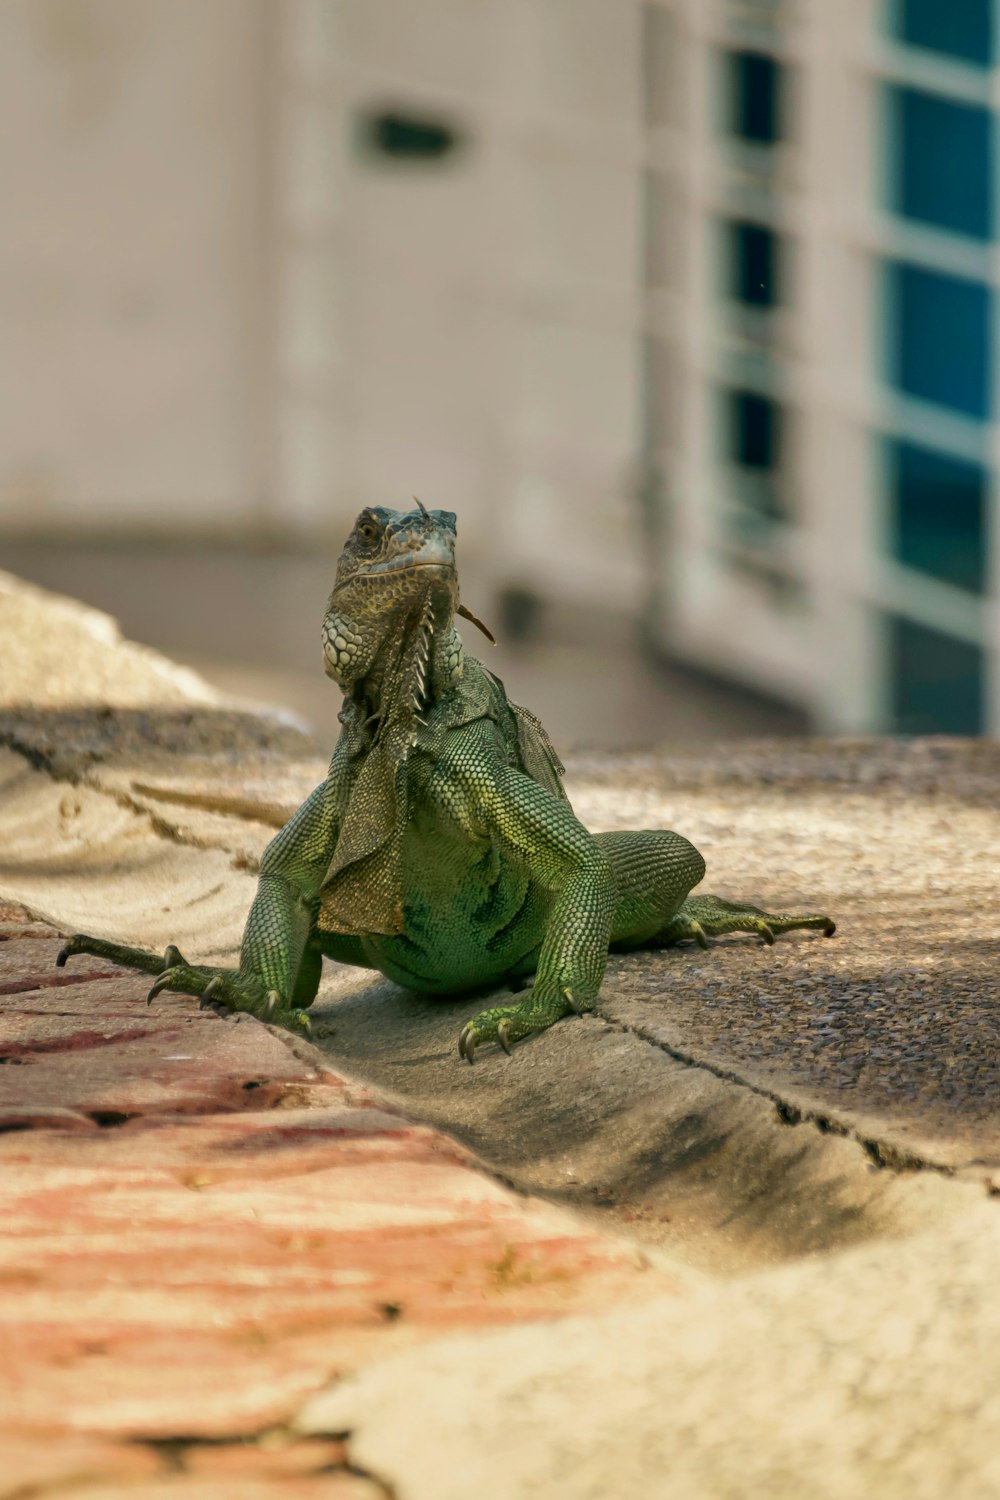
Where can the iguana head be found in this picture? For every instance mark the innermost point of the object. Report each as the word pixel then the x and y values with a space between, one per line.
pixel 393 602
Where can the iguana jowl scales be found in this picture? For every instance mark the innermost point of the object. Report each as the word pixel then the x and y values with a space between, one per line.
pixel 441 848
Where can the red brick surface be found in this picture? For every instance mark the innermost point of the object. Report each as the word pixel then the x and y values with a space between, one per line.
pixel 201 1229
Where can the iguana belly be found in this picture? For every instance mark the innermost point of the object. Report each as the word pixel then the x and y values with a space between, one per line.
pixel 471 918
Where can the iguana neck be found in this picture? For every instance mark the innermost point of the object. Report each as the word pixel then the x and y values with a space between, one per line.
pixel 408 671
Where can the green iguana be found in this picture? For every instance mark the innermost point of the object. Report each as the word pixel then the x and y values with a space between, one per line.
pixel 441 848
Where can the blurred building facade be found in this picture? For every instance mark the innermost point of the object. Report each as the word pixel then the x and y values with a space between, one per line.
pixel 821 270
pixel 266 261
pixel 686 306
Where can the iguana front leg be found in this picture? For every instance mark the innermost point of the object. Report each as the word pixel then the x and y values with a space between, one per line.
pixel 280 958
pixel 541 832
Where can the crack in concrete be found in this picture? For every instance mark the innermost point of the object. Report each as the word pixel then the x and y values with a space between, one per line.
pixel 35 982
pixel 174 1451
pixel 39 760
pixel 45 762
pixel 244 808
pixel 883 1154
pixel 171 1455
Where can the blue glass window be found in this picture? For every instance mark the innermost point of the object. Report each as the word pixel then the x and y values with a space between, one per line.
pixel 937 514
pixel 753 92
pixel 940 347
pixel 959 28
pixel 937 682
pixel 943 172
pixel 753 264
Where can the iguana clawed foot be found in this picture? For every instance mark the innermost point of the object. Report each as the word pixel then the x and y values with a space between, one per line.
pixel 505 1024
pixel 702 917
pixel 223 991
pixel 229 991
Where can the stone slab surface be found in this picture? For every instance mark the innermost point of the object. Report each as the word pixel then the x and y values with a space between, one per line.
pixel 892 1026
pixel 873 1373
pixel 888 1032
pixel 195 1254
pixel 596 1119
pixel 80 855
pixel 58 651
pixel 203 1222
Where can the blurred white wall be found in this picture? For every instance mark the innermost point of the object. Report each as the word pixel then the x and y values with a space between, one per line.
pixel 130 262
pixel 222 311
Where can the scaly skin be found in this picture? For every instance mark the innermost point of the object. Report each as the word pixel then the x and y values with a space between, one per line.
pixel 441 848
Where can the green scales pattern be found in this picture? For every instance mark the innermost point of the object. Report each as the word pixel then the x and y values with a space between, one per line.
pixel 441 848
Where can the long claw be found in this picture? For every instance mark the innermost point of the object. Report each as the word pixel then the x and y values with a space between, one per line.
pixel 767 934
pixel 568 997
pixel 161 983
pixel 503 1038
pixel 304 1022
pixel 70 949
pixel 172 956
pixel 209 993
pixel 467 1042
pixel 698 933
pixel 271 1004
pixel 828 930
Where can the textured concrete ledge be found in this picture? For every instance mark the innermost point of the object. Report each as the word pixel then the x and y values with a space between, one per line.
pixel 805 1139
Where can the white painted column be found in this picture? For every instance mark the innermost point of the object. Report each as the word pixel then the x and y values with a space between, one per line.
pixel 307 262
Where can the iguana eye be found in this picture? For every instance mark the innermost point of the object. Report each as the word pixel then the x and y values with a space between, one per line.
pixel 367 530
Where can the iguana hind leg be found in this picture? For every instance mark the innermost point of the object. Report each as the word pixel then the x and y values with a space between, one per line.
pixel 655 871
